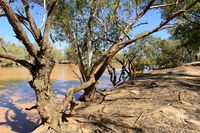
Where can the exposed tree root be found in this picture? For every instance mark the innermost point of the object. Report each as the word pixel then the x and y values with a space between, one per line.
pixel 33 107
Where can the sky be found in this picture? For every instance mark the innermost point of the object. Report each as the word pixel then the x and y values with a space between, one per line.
pixel 152 17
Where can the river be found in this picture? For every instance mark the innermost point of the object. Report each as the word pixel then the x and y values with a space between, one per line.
pixel 16 95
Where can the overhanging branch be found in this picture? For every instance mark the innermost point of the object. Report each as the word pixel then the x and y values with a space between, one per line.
pixel 16 59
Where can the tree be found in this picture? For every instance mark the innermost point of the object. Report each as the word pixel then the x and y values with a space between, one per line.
pixel 53 114
pixel 99 29
pixel 42 61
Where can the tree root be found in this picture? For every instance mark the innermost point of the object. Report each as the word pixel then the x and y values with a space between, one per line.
pixel 33 107
pixel 73 104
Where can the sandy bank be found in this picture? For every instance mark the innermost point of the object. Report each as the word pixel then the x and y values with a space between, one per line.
pixel 161 101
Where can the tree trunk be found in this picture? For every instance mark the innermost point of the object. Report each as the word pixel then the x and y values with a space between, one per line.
pixel 45 96
pixel 89 93
pixel 97 71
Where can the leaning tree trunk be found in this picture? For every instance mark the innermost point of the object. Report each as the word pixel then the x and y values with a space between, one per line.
pixel 97 70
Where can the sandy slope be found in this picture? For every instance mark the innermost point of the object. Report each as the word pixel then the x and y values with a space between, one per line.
pixel 162 101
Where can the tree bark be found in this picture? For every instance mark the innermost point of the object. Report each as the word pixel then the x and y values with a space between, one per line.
pixel 45 96
pixel 89 93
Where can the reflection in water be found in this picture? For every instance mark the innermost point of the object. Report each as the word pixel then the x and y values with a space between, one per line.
pixel 64 72
pixel 16 94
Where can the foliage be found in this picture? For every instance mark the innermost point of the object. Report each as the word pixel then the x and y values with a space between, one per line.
pixel 21 52
pixel 187 29
pixel 57 55
pixel 153 52
pixel 18 50
pixel 70 54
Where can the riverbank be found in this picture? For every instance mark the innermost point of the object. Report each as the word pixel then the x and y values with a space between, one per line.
pixel 161 101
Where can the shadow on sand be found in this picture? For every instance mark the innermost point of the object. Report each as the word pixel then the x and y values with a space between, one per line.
pixel 14 116
pixel 18 121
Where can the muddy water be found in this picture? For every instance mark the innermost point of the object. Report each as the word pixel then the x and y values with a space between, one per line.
pixel 16 95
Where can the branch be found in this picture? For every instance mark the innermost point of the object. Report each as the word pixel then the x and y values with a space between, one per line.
pixel 20 33
pixel 130 25
pixel 76 74
pixel 16 59
pixel 48 21
pixel 2 44
pixel 99 66
pixel 104 38
pixel 163 23
pixel 89 24
pixel 190 20
pixel 44 15
pixel 23 20
pixel 115 12
pixel 52 39
pixel 36 33
pixel 71 91
pixel 160 6
pixel 140 24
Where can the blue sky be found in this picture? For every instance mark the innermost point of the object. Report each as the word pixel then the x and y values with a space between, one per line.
pixel 152 17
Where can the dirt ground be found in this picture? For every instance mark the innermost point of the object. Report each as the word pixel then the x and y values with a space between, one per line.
pixel 161 101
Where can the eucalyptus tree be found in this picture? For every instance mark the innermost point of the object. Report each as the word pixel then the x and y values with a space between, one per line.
pixel 42 61
pixel 100 29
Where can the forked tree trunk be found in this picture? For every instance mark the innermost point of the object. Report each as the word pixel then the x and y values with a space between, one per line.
pixel 97 70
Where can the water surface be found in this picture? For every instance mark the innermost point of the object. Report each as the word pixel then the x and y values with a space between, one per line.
pixel 16 95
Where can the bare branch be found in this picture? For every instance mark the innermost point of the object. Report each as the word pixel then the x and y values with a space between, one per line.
pixel 48 21
pixel 44 15
pixel 136 8
pixel 33 26
pixel 160 6
pixel 140 24
pixel 16 59
pixel 130 25
pixel 76 74
pixel 163 23
pixel 20 33
pixel 22 20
